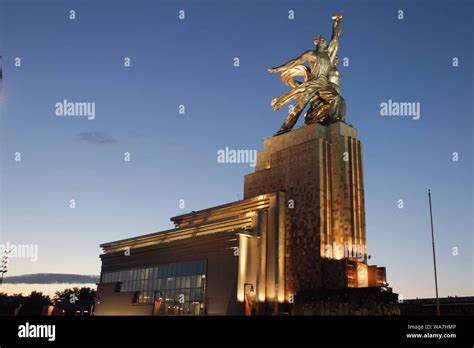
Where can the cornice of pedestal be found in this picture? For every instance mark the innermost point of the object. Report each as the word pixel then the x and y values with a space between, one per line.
pixel 307 133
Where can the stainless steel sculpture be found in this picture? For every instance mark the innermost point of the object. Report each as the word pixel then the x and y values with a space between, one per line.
pixel 320 86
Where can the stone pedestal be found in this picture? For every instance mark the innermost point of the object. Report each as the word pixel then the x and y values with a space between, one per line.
pixel 320 170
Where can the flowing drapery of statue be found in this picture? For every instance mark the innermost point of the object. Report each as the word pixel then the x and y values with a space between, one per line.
pixel 320 86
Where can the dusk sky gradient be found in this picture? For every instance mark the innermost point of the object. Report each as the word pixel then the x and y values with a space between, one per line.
pixel 174 156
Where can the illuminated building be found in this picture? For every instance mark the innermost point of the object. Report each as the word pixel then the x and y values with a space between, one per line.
pixel 300 226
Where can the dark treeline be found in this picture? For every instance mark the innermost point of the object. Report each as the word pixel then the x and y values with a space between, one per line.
pixel 33 304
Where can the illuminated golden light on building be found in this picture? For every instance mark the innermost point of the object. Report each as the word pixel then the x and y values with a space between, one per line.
pixel 338 251
pixel 362 275
pixel 281 248
pixel 243 251
pixel 262 242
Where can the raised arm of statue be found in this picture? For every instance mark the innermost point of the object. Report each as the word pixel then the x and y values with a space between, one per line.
pixel 336 33
pixel 290 64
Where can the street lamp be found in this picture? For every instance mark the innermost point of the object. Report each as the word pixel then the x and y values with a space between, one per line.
pixel 251 288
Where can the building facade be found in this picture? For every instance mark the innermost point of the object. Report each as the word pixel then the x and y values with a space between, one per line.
pixel 300 227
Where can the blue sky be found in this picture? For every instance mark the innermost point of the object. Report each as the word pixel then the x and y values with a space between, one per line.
pixel 174 156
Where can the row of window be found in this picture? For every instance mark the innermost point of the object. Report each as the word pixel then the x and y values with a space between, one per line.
pixel 187 282
pixel 161 271
pixel 176 308
pixel 177 295
pixel 179 287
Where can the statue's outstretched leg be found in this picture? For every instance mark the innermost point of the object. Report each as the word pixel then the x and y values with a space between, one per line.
pixel 315 110
pixel 293 116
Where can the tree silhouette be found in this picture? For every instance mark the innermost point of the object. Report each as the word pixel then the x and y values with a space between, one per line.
pixel 84 294
pixel 33 304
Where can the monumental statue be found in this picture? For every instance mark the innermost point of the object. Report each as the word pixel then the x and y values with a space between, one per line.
pixel 320 86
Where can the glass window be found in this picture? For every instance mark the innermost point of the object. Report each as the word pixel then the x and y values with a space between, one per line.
pixel 188 281
pixel 179 269
pixel 187 308
pixel 167 281
pixel 199 295
pixel 186 293
pixel 167 296
pixel 146 297
pixel 188 269
pixel 172 295
pixel 202 267
pixel 196 307
pixel 178 282
pixel 198 281
pixel 172 269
